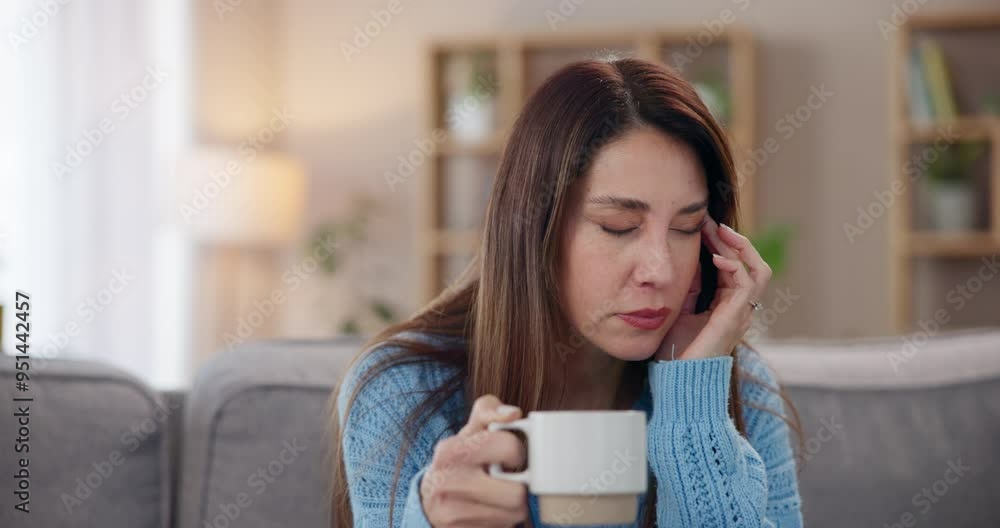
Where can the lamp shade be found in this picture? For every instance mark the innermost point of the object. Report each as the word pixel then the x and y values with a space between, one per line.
pixel 248 198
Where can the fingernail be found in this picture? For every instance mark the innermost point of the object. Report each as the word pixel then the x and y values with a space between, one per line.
pixel 506 410
pixel 716 255
pixel 727 228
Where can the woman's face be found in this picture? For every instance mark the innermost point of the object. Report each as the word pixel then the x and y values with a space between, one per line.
pixel 631 241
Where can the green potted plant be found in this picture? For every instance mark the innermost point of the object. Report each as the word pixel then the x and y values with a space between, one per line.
pixel 713 91
pixel 950 193
pixel 349 235
pixel 471 97
pixel 772 244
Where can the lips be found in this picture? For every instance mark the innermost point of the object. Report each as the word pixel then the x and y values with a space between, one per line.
pixel 647 318
pixel 650 312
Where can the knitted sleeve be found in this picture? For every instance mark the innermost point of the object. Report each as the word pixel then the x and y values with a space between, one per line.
pixel 707 473
pixel 372 437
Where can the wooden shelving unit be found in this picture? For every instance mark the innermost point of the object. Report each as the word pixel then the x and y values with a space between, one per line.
pixel 520 62
pixel 908 241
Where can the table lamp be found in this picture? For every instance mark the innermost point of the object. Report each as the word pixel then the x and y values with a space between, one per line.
pixel 238 207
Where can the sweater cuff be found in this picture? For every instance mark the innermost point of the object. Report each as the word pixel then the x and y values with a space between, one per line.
pixel 413 515
pixel 690 390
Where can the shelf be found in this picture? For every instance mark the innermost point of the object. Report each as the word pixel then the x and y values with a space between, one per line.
pixel 964 38
pixel 954 21
pixel 973 244
pixel 972 128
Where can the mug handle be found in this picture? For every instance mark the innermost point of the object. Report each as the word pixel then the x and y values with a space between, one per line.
pixel 496 470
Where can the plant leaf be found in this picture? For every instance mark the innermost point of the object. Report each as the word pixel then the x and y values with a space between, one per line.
pixel 383 311
pixel 349 327
pixel 772 244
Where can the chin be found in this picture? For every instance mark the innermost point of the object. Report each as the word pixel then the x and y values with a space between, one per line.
pixel 634 348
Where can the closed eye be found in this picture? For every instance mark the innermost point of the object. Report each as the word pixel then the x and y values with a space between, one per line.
pixel 617 232
pixel 623 232
pixel 695 230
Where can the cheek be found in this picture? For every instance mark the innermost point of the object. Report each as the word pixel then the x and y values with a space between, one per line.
pixel 588 273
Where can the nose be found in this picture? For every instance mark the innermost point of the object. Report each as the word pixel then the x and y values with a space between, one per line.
pixel 655 266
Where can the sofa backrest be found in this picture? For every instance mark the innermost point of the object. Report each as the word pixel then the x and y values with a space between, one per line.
pixel 255 442
pixel 98 448
pixel 253 451
pixel 898 431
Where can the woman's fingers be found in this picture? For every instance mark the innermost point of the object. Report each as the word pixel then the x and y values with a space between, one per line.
pixel 472 498
pixel 497 447
pixel 735 271
pixel 734 246
pixel 759 269
pixel 487 409
pixel 476 514
pixel 710 234
pixel 739 297
pixel 715 241
pixel 480 488
pixel 457 489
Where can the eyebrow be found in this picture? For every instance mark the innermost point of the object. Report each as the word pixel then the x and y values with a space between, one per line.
pixel 633 204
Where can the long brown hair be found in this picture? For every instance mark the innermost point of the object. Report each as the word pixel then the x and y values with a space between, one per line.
pixel 515 338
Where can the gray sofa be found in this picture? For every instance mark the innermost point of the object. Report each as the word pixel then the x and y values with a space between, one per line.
pixel 886 443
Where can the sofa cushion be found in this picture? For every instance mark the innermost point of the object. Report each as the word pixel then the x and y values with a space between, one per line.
pixel 98 454
pixel 256 442
pixel 897 431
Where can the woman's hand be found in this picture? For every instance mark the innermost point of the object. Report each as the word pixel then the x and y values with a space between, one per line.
pixel 743 277
pixel 457 489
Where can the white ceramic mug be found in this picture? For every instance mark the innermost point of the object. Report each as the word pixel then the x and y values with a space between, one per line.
pixel 586 467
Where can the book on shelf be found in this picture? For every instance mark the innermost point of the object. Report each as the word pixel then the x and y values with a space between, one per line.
pixel 937 84
pixel 920 103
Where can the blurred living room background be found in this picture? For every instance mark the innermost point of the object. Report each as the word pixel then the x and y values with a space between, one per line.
pixel 182 177
pixel 210 204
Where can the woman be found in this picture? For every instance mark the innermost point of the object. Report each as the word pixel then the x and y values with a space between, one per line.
pixel 606 279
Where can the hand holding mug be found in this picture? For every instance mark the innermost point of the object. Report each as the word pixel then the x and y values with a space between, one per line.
pixel 456 490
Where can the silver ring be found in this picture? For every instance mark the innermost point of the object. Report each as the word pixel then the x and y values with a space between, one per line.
pixel 756 306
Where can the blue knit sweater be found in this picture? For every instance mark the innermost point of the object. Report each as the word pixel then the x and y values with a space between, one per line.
pixel 707 473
